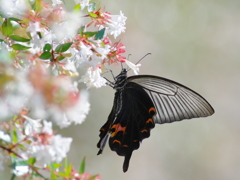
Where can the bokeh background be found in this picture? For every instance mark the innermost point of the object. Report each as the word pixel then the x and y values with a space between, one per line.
pixel 196 43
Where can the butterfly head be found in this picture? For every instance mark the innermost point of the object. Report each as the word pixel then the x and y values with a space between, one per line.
pixel 120 80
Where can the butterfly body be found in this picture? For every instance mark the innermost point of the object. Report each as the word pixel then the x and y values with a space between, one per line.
pixel 139 103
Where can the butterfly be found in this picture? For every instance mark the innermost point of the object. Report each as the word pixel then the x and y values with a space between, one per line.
pixel 140 102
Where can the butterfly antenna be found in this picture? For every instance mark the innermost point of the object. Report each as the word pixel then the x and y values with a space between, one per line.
pixel 110 72
pixel 143 58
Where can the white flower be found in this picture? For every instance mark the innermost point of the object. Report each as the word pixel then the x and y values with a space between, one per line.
pixel 93 78
pixel 134 67
pixel 21 170
pixel 14 8
pixel 57 147
pixel 54 151
pixel 5 137
pixel 47 127
pixel 103 51
pixel 85 50
pixel 73 114
pixel 77 114
pixel 33 27
pixel 83 3
pixel 31 126
pixel 55 2
pixel 68 28
pixel 117 24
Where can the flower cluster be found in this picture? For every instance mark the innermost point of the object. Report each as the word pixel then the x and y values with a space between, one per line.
pixel 45 52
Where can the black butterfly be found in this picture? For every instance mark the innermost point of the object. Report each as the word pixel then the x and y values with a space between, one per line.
pixel 140 102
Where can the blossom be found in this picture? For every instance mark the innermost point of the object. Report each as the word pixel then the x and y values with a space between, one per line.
pixel 31 125
pixel 93 78
pixel 68 27
pixel 117 24
pixel 33 27
pixel 134 67
pixel 13 8
pixel 77 113
pixel 55 2
pixel 83 3
pixel 5 137
pixel 21 170
pixel 47 147
pixel 72 114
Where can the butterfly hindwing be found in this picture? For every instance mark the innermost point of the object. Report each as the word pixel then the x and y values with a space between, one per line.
pixel 132 123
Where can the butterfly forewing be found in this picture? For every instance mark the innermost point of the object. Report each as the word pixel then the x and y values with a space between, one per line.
pixel 173 101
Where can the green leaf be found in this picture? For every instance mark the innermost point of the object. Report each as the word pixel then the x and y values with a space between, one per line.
pixel 39 35
pixel 36 174
pixel 93 177
pixel 91 7
pixel 54 166
pixel 81 30
pixel 59 58
pixel 53 175
pixel 37 5
pixel 19 47
pixel 82 166
pixel 77 8
pixel 14 19
pixel 90 34
pixel 45 55
pixel 100 34
pixel 13 176
pixel 68 169
pixel 7 28
pixel 19 38
pixel 18 163
pixel 47 47
pixel 14 136
pixel 31 161
pixel 63 47
pixel 92 14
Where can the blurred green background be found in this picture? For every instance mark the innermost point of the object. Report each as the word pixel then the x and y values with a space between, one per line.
pixel 196 43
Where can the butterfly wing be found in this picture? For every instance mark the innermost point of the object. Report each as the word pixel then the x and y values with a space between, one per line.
pixel 129 122
pixel 173 101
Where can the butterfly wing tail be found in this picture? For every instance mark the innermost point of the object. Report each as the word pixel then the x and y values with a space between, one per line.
pixel 126 161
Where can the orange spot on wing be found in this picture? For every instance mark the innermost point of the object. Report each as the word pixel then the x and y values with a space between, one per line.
pixel 118 128
pixel 144 131
pixel 152 109
pixel 149 121
pixel 135 140
pixel 117 141
pixel 125 145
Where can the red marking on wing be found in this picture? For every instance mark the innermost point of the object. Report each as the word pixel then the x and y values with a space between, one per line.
pixel 152 109
pixel 117 141
pixel 144 131
pixel 149 121
pixel 118 128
